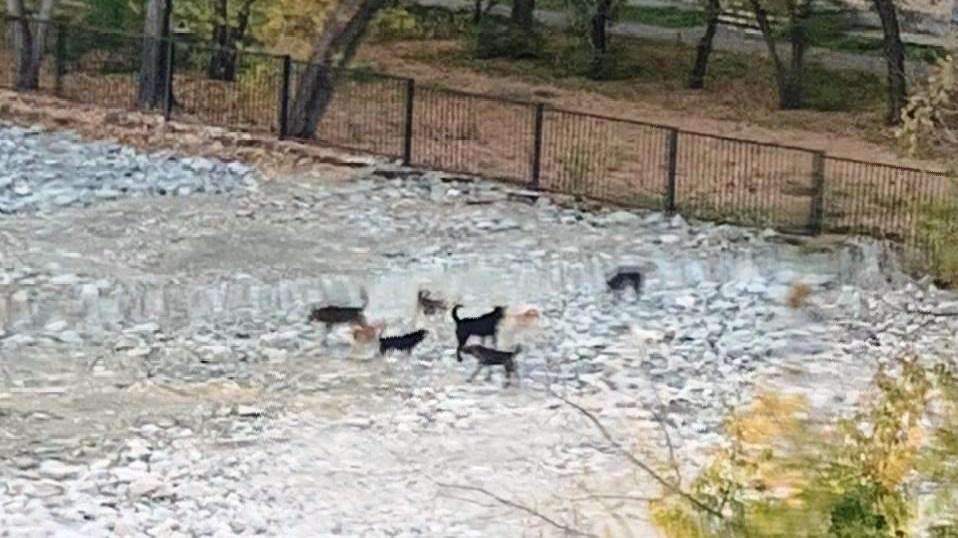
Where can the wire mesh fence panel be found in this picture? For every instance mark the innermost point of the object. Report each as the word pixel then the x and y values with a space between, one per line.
pixel 99 67
pixel 621 161
pixel 226 88
pixel 888 202
pixel 365 112
pixel 745 182
pixel 472 134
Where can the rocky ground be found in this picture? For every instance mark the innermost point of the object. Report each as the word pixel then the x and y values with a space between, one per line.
pixel 159 377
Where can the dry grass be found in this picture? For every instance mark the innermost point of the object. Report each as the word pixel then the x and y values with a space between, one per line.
pixel 739 99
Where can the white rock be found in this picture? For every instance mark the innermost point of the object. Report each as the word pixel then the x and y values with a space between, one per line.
pixel 58 470
pixel 622 218
pixel 64 280
pixel 249 411
pixel 56 326
pixel 145 486
pixel 145 328
pixel 215 353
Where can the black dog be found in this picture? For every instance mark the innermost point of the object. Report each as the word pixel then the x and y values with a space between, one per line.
pixel 483 326
pixel 493 357
pixel 625 277
pixel 403 343
pixel 334 315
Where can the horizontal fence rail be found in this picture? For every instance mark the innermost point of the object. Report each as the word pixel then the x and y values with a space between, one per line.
pixel 627 162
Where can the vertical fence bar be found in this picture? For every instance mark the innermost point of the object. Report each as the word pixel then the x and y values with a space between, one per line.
pixel 672 155
pixel 60 58
pixel 168 82
pixel 407 125
pixel 816 221
pixel 283 98
pixel 537 145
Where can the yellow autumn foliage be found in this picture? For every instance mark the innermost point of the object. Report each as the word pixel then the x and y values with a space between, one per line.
pixel 783 474
pixel 291 26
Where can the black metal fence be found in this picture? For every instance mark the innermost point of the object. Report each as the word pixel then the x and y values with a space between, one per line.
pixel 623 161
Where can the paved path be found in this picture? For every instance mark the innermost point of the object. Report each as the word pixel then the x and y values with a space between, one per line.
pixel 726 39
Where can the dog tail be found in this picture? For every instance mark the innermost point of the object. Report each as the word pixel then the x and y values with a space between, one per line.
pixel 517 350
pixel 455 315
pixel 364 296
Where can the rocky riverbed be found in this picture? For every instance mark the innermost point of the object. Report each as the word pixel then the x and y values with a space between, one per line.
pixel 159 377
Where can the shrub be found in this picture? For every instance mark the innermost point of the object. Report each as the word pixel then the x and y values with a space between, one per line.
pixel 394 24
pixel 494 37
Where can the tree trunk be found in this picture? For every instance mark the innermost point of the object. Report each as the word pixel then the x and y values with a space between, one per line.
pixel 704 48
pixel 156 35
pixel 894 58
pixel 226 39
pixel 338 39
pixel 479 11
pixel 788 78
pixel 29 45
pixel 794 95
pixel 522 13
pixel 598 36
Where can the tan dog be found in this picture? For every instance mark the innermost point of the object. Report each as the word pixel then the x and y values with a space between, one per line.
pixel 366 334
pixel 522 324
pixel 527 318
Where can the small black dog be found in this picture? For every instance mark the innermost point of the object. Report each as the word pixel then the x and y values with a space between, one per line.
pixel 493 357
pixel 625 277
pixel 428 305
pixel 483 326
pixel 335 315
pixel 403 343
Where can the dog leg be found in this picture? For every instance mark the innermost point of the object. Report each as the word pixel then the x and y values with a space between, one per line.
pixel 327 327
pixel 489 374
pixel 474 374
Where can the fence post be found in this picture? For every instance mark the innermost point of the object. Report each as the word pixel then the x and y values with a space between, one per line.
pixel 283 101
pixel 671 155
pixel 817 217
pixel 60 59
pixel 537 145
pixel 407 126
pixel 168 82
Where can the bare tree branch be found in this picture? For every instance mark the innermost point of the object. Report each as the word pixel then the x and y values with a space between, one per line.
pixel 635 461
pixel 517 506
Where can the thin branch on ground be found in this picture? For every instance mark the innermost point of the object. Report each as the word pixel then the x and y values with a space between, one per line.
pixel 668 438
pixel 613 497
pixel 930 313
pixel 636 461
pixel 521 507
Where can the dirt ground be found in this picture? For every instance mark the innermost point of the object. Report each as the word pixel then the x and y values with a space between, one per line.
pixel 680 109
